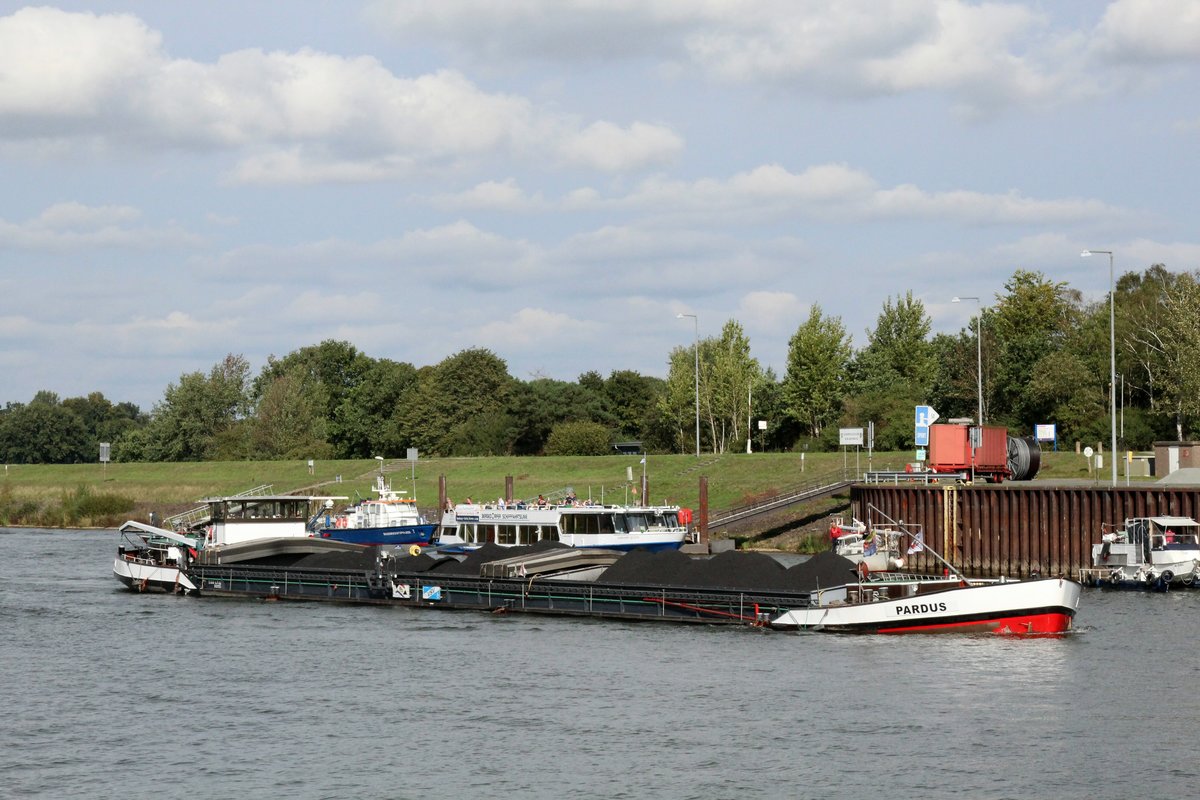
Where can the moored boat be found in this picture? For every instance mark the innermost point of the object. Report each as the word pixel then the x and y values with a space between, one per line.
pixel 149 557
pixel 390 519
pixel 1156 553
pixel 911 604
pixel 152 559
pixel 608 527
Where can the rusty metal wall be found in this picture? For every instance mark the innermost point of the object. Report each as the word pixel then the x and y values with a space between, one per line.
pixel 1017 529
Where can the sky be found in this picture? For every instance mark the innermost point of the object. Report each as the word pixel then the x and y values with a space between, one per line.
pixel 557 180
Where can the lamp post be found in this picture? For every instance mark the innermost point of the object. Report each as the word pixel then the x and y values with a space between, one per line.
pixel 696 320
pixel 978 353
pixel 1112 351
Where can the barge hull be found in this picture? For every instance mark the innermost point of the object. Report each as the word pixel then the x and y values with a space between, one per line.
pixel 423 590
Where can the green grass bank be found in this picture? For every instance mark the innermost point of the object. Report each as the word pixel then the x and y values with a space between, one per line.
pixel 94 495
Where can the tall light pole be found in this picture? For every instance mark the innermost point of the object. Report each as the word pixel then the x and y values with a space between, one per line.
pixel 1112 351
pixel 696 320
pixel 978 353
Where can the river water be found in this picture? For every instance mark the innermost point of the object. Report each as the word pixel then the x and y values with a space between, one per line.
pixel 110 694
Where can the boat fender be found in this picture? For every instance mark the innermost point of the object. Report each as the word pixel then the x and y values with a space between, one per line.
pixel 1189 579
pixel 415 550
pixel 1115 577
pixel 863 570
pixel 1167 576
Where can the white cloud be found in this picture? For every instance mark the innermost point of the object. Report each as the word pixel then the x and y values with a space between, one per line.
pixel 530 327
pixel 605 146
pixel 981 53
pixel 504 195
pixel 1163 30
pixel 292 117
pixel 71 225
pixel 771 310
pixel 841 192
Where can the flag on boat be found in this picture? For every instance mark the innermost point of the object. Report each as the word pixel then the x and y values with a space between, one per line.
pixel 918 543
pixel 869 544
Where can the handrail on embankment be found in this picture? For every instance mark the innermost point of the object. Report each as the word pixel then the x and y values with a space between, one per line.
pixel 819 486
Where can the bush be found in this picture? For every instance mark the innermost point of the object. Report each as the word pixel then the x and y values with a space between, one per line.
pixel 579 439
pixel 84 505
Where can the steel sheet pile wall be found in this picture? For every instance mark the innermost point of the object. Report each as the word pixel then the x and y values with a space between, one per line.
pixel 1018 530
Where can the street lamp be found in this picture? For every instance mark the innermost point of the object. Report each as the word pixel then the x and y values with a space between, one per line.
pixel 1112 351
pixel 696 320
pixel 978 352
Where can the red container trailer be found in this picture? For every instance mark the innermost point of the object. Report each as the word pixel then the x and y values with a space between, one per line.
pixel 950 451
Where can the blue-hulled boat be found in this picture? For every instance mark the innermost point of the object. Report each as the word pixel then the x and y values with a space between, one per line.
pixel 389 520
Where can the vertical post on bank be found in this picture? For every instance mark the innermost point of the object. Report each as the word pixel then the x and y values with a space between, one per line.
pixel 508 489
pixel 441 496
pixel 704 510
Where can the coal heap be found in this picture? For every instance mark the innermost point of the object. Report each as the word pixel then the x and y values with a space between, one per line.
pixel 732 570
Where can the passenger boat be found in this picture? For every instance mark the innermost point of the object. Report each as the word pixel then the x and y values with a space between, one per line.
pixel 386 520
pixel 608 527
pixel 1154 553
pixel 151 558
pixel 914 604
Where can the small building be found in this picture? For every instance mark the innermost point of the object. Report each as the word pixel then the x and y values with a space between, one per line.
pixel 1170 456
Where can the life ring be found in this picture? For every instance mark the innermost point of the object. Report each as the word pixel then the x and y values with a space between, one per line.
pixel 415 550
pixel 863 570
pixel 341 522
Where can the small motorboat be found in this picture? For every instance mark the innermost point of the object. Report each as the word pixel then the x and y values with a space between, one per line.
pixel 1156 553
pixel 152 559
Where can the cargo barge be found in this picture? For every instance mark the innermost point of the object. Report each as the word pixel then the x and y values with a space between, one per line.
pixel 825 593
pixel 543 579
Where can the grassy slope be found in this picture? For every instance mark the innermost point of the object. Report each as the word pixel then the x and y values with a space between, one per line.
pixel 733 479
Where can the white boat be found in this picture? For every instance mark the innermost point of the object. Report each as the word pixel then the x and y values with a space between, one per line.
pixel 880 549
pixel 881 544
pixel 151 559
pixel 469 526
pixel 390 519
pixel 1147 552
pixel 913 604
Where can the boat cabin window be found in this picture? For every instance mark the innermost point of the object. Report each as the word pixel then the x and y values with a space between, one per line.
pixel 605 522
pixel 260 509
pixel 636 521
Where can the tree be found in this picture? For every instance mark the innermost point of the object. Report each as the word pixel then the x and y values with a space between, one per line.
pixel 727 378
pixel 199 417
pixel 332 371
pixel 370 419
pixel 289 422
pixel 1164 341
pixel 815 383
pixel 43 432
pixel 898 358
pixel 460 405
pixel 675 405
pixel 540 405
pixel 1034 318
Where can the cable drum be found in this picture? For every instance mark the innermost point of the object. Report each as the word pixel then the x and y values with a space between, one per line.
pixel 1024 457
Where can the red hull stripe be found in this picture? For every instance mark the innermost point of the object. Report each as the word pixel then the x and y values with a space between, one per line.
pixel 1018 624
